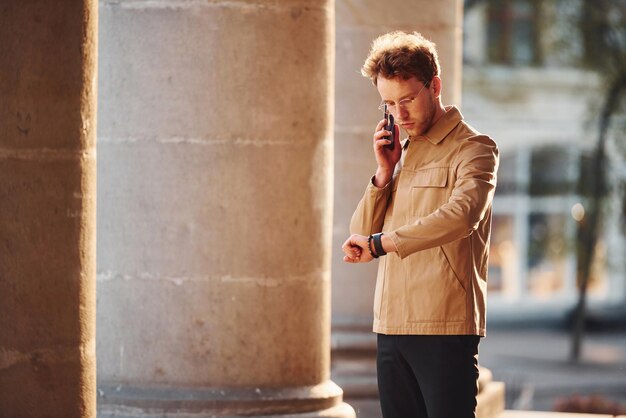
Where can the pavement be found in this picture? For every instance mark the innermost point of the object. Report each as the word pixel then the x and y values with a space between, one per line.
pixel 535 366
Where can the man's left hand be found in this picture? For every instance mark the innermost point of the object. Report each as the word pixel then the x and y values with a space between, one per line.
pixel 355 250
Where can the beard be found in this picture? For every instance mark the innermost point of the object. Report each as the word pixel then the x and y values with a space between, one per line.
pixel 422 122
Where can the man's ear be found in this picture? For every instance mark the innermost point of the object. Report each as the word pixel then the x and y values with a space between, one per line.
pixel 436 86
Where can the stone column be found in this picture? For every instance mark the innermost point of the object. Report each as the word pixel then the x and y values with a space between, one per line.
pixel 47 208
pixel 215 208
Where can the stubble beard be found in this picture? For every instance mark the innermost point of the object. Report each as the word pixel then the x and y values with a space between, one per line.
pixel 423 124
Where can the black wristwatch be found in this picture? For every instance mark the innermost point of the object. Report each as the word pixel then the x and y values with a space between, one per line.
pixel 378 244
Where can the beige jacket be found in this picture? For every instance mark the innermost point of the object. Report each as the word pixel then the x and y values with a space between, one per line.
pixel 437 210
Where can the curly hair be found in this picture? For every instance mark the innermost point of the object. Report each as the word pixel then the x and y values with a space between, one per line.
pixel 402 54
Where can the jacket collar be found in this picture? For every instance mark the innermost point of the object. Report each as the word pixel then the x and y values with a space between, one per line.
pixel 442 127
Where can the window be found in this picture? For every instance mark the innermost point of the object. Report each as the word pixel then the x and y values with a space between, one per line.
pixel 553 171
pixel 513 37
pixel 502 255
pixel 547 253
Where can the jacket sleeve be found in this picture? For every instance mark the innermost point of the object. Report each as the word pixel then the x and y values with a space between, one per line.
pixel 476 167
pixel 370 213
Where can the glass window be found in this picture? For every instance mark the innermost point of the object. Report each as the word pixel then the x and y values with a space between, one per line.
pixel 507 174
pixel 553 171
pixel 588 174
pixel 502 250
pixel 547 253
pixel 512 32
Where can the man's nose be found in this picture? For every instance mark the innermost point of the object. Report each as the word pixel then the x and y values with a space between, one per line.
pixel 402 113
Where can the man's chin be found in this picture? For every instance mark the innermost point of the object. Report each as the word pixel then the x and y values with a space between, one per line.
pixel 413 132
pixel 412 129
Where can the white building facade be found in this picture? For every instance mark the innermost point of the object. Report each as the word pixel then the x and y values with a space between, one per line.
pixel 523 86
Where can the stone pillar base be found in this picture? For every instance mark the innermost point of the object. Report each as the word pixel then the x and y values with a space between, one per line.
pixel 125 401
pixel 343 410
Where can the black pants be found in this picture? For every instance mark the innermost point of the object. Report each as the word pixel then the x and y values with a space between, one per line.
pixel 428 376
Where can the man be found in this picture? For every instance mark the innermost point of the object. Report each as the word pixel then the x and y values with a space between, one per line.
pixel 427 214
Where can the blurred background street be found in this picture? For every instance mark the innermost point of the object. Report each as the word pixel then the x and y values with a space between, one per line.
pixel 533 362
pixel 535 366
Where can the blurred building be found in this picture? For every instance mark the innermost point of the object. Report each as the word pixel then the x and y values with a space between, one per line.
pixel 524 85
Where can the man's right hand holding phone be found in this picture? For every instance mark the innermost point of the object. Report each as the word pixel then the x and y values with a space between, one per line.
pixel 386 157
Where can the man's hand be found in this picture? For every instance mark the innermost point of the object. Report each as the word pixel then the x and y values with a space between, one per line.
pixel 355 250
pixel 385 157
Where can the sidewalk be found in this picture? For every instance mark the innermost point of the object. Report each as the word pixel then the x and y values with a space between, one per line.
pixel 537 414
pixel 534 365
pixel 535 368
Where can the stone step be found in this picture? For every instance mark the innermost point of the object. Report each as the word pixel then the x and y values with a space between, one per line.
pixel 490 400
pixel 541 414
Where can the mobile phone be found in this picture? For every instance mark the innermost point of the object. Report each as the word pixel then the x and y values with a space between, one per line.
pixel 389 126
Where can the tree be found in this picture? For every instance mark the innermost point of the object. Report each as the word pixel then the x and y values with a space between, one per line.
pixel 602 26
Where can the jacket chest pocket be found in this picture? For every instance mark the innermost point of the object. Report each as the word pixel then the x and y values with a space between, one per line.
pixel 429 190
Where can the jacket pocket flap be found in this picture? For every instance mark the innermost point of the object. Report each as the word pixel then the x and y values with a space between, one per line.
pixel 430 177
